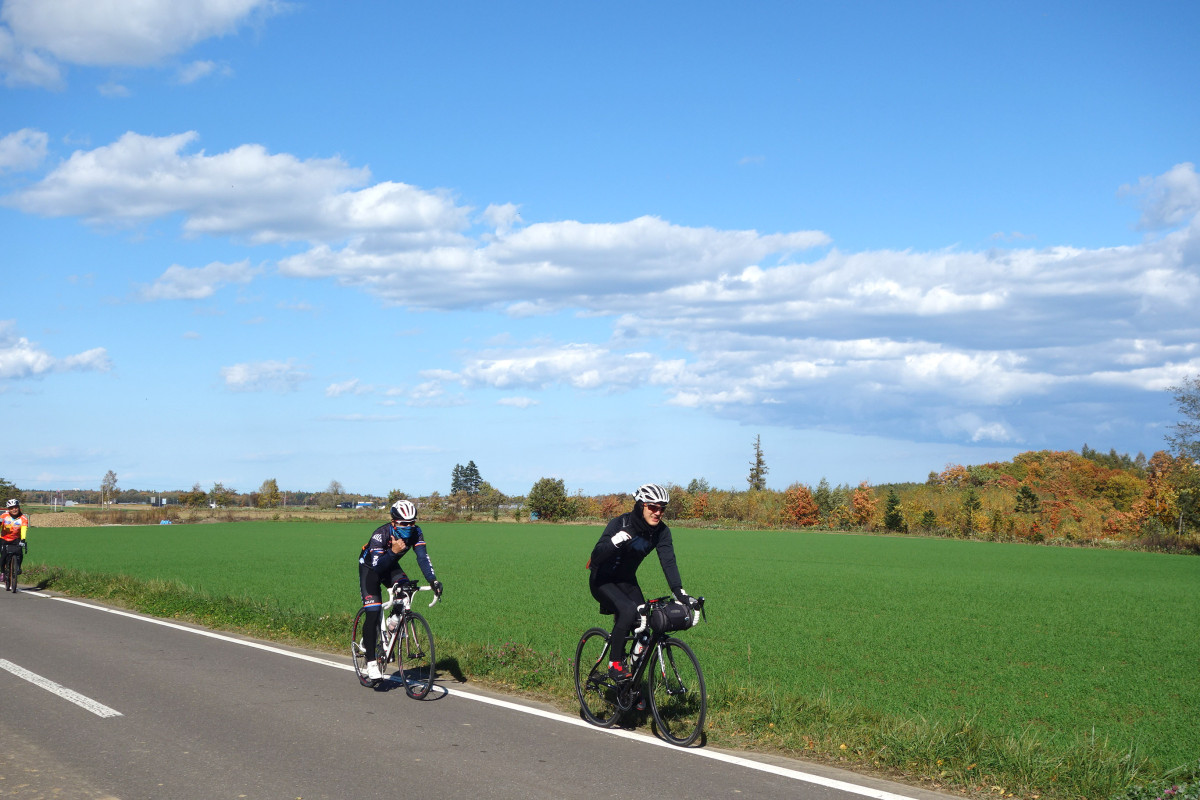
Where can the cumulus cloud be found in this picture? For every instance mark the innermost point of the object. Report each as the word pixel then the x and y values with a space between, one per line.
pixel 781 327
pixel 264 376
pixel 1168 199
pixel 22 150
pixel 20 358
pixel 199 283
pixel 38 37
pixel 245 192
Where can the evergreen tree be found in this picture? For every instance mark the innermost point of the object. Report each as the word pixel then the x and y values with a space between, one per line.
pixel 893 520
pixel 824 499
pixel 971 506
pixel 472 482
pixel 758 467
pixel 1027 500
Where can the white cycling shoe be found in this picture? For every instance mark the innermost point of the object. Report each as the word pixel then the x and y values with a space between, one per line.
pixel 373 672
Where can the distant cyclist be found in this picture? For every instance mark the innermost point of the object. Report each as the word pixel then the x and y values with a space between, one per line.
pixel 379 566
pixel 625 543
pixel 13 527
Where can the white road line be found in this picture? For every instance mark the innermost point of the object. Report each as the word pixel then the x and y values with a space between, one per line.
pixel 784 772
pixel 97 708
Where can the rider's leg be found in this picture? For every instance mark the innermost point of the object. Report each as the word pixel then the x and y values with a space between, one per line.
pixel 372 594
pixel 625 598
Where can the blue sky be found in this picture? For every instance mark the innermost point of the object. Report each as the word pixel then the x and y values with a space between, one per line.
pixel 609 243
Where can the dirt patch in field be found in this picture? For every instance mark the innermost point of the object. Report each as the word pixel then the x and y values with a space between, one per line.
pixel 64 519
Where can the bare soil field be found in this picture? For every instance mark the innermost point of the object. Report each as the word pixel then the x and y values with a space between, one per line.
pixel 63 519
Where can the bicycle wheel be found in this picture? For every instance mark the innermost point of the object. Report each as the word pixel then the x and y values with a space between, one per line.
pixel 596 691
pixel 357 652
pixel 11 573
pixel 414 656
pixel 678 698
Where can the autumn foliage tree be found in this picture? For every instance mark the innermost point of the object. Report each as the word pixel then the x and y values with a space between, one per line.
pixel 799 507
pixel 862 505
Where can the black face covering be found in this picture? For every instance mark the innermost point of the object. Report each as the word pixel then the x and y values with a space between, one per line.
pixel 640 526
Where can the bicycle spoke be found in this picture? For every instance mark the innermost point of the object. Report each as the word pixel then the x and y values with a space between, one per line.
pixel 414 656
pixel 597 693
pixel 678 698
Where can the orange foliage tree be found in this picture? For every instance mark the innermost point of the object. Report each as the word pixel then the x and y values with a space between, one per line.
pixel 799 507
pixel 863 504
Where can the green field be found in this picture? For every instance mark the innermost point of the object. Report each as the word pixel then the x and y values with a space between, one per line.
pixel 1058 671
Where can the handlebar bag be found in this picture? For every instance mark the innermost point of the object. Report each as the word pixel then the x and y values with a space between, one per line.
pixel 671 617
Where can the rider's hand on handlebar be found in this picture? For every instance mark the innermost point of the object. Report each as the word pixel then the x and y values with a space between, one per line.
pixel 437 588
pixel 686 599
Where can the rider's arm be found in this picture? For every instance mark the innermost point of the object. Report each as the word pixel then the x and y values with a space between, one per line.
pixel 606 548
pixel 423 557
pixel 666 557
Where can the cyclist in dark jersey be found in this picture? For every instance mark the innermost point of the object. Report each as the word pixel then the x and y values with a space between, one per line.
pixel 379 566
pixel 625 543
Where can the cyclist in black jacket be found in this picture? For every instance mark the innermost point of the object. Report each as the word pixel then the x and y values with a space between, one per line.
pixel 625 543
pixel 379 566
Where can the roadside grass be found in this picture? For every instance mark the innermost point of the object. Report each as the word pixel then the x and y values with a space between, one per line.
pixel 991 668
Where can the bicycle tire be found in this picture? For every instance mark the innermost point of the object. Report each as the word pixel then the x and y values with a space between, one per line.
pixel 414 656
pixel 11 571
pixel 357 652
pixel 597 693
pixel 678 697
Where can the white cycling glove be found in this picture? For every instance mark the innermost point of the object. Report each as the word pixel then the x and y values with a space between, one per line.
pixel 620 538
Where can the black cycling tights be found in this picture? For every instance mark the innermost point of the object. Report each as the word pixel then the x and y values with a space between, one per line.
pixel 625 598
pixel 371 585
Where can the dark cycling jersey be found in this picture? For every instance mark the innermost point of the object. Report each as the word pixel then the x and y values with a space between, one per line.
pixel 613 564
pixel 377 553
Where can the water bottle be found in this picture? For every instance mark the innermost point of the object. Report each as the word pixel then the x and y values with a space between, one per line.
pixel 640 645
pixel 393 622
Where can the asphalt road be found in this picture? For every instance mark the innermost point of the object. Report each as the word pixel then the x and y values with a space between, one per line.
pixel 100 703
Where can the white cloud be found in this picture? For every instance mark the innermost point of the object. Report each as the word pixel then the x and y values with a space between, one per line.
pixel 352 387
pixel 197 70
pixel 40 35
pixel 503 218
pixel 183 283
pixel 264 376
pixel 1169 199
pixel 883 338
pixel 111 89
pixel 517 402
pixel 245 192
pixel 20 358
pixel 22 150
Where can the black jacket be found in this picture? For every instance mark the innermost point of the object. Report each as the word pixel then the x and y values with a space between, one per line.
pixel 619 563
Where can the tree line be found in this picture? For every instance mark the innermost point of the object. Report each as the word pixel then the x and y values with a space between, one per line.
pixel 1038 496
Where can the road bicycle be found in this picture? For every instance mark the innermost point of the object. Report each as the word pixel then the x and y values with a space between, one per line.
pixel 404 638
pixel 13 553
pixel 663 671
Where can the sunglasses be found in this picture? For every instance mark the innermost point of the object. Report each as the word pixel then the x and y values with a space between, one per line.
pixel 656 508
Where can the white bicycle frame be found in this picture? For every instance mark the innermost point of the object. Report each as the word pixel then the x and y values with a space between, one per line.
pixel 404 599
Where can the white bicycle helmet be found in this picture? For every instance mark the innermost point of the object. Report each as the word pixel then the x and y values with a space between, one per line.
pixel 14 503
pixel 652 493
pixel 404 511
